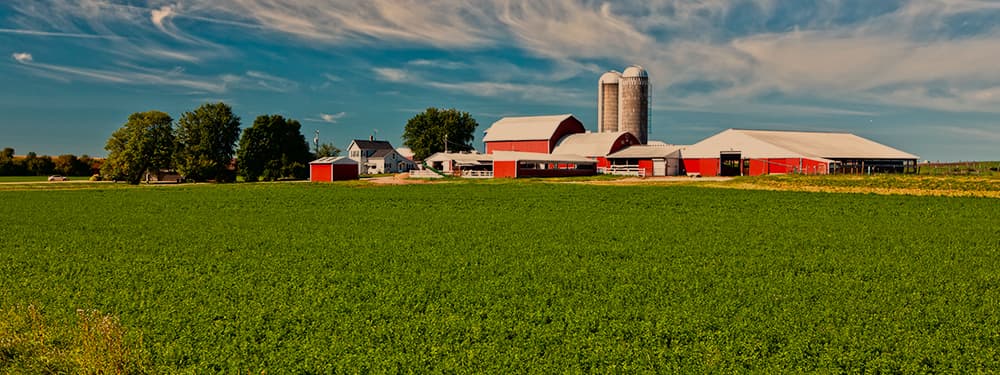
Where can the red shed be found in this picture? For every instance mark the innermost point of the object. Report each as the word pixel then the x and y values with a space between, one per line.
pixel 538 134
pixel 336 168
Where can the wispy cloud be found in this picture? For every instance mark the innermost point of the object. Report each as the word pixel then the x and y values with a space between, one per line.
pixel 56 34
pixel 22 57
pixel 328 118
pixel 507 90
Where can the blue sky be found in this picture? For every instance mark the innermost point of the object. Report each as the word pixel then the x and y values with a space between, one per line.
pixel 922 76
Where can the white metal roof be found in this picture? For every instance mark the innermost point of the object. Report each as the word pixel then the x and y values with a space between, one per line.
pixel 634 71
pixel 540 157
pixel 530 128
pixel 783 144
pixel 334 160
pixel 610 77
pixel 587 144
pixel 460 157
pixel 648 151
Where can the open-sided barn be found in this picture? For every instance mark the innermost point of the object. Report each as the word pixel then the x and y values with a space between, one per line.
pixel 513 164
pixel 654 159
pixel 538 134
pixel 739 152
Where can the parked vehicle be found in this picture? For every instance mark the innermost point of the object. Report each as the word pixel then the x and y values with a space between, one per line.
pixel 56 177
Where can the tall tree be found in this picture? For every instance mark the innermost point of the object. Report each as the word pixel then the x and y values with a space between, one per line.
pixel 144 144
pixel 38 165
pixel 206 141
pixel 429 131
pixel 8 165
pixel 273 148
pixel 327 150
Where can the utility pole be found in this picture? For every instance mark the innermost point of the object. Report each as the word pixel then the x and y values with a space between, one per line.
pixel 316 141
pixel 446 143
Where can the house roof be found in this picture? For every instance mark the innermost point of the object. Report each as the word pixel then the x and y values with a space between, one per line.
pixel 525 128
pixel 381 153
pixel 648 151
pixel 334 160
pixel 588 144
pixel 781 144
pixel 372 145
pixel 540 157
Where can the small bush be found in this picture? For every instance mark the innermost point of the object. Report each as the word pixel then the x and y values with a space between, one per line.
pixel 95 177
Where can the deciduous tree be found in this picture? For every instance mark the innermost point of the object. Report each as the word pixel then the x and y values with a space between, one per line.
pixel 273 148
pixel 206 140
pixel 144 144
pixel 429 131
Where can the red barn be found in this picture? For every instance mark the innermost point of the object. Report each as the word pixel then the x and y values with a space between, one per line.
pixel 512 164
pixel 739 152
pixel 538 134
pixel 333 169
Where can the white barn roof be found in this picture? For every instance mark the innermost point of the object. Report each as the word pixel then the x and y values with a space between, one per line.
pixel 587 144
pixel 334 160
pixel 541 158
pixel 648 151
pixel 793 144
pixel 460 157
pixel 530 128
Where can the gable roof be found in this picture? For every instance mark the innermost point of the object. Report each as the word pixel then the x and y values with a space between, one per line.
pixel 334 160
pixel 588 144
pixel 648 151
pixel 372 145
pixel 783 144
pixel 530 128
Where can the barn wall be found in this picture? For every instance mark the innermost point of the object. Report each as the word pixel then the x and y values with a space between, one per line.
pixel 504 169
pixel 602 162
pixel 647 166
pixel 567 127
pixel 321 172
pixel 810 166
pixel 541 147
pixel 552 172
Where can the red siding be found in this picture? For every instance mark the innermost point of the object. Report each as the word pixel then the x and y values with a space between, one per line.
pixel 504 169
pixel 602 162
pixel 569 126
pixel 647 166
pixel 810 166
pixel 624 141
pixel 319 172
pixel 522 146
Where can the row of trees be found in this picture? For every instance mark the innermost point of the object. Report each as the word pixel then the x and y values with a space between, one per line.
pixel 201 146
pixel 34 165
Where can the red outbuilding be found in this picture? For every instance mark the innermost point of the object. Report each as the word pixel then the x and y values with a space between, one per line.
pixel 333 169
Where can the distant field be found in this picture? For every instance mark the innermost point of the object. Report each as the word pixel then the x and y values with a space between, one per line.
pixel 514 277
pixel 961 168
pixel 955 186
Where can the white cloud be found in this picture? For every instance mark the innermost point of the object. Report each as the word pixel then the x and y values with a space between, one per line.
pixel 158 15
pixel 332 118
pixel 270 82
pixel 392 74
pixel 23 57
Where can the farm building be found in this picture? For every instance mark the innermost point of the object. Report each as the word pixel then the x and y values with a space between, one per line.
pixel 739 152
pixel 375 157
pixel 653 159
pixel 514 164
pixel 335 168
pixel 595 145
pixel 538 134
pixel 460 164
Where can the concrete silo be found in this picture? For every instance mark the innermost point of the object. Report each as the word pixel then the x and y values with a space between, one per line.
pixel 607 102
pixel 633 102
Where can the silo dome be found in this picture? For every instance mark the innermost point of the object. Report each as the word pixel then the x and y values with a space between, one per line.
pixel 635 71
pixel 611 77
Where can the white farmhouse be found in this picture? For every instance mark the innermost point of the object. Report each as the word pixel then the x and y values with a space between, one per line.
pixel 375 157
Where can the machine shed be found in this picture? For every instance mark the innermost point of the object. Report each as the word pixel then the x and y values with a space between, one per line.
pixel 336 168
pixel 737 152
pixel 595 145
pixel 538 134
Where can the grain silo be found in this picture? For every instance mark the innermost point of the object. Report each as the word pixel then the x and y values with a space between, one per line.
pixel 607 102
pixel 633 102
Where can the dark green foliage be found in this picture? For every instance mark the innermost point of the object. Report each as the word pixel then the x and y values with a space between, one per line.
pixel 327 150
pixel 517 277
pixel 35 165
pixel 273 149
pixel 144 144
pixel 206 140
pixel 426 132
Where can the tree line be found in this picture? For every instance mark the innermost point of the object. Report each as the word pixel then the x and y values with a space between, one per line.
pixel 33 164
pixel 201 146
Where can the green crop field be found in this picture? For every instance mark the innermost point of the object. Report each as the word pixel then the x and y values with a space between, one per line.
pixel 510 277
